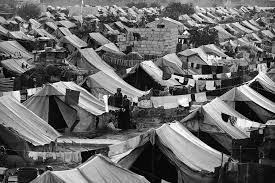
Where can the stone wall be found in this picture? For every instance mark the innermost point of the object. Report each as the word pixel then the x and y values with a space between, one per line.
pixel 150 41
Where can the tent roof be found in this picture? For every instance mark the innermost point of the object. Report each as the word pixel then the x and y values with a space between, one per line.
pixel 87 101
pixel 206 18
pixel 65 31
pixel 74 40
pixel 196 154
pixel 110 47
pixel 43 33
pixel 268 33
pixel 121 25
pixel 267 83
pixel 196 51
pixel 111 30
pixel 242 28
pixel 197 18
pixel 211 48
pixel 99 169
pixel 245 93
pixel 52 25
pixel 250 26
pixel 34 23
pixel 3 31
pixel 12 47
pixel 223 34
pixel 111 84
pixel 66 23
pixel 253 22
pixel 156 73
pixel 256 37
pixel 15 65
pixel 99 38
pixel 19 35
pixel 95 60
pixel 25 123
pixel 212 116
pixel 3 20
pixel 172 63
pixel 231 28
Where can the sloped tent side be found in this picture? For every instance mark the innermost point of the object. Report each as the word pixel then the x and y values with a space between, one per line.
pixel 50 108
pixel 183 164
pixel 262 108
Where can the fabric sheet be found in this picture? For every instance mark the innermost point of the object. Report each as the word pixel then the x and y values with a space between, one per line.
pixel 200 97
pixel 210 85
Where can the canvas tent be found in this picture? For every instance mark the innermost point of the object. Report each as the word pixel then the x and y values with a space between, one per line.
pixel 88 59
pixel 51 105
pixel 211 49
pixel 99 169
pixel 66 23
pixel 41 33
pixel 171 64
pixel 241 28
pixel 147 75
pixel 99 38
pixel 19 35
pixel 178 155
pixel 61 32
pixel 250 26
pixel 208 119
pixel 3 31
pixel 105 84
pixel 267 83
pixel 21 129
pixel 51 25
pixel 194 55
pixel 15 65
pixel 74 41
pixel 223 34
pixel 110 47
pixel 264 85
pixel 13 48
pixel 34 23
pixel 268 34
pixel 262 108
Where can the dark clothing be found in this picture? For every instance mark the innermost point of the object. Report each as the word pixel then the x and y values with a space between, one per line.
pixel 118 100
pixel 124 115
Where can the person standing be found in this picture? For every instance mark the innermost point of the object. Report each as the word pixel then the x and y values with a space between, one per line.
pixel 118 98
pixel 126 112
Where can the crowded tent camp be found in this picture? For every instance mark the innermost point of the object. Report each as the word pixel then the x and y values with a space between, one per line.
pixel 160 92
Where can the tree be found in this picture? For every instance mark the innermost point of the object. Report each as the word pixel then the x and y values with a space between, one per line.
pixel 28 11
pixel 174 10
pixel 204 36
pixel 7 6
pixel 155 5
pixel 138 5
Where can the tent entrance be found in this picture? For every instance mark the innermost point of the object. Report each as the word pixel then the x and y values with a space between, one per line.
pixel 154 165
pixel 55 118
pixel 244 109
